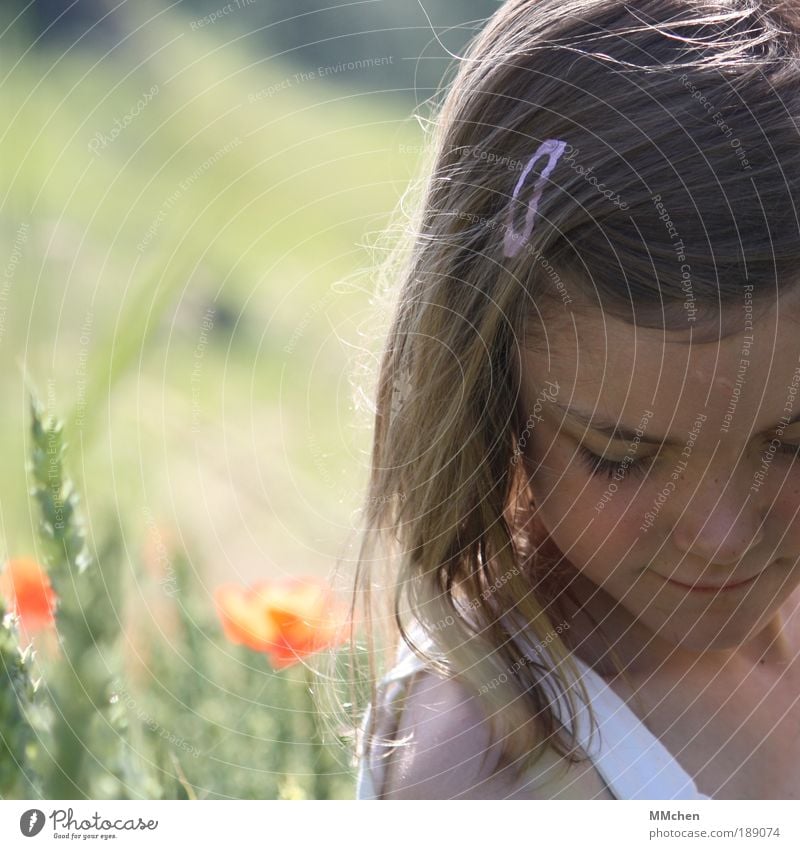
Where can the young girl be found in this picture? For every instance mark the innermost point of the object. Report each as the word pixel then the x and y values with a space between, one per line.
pixel 584 482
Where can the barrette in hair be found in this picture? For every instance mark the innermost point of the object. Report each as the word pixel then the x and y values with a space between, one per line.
pixel 513 241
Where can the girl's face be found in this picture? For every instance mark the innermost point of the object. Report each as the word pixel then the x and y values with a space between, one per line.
pixel 691 518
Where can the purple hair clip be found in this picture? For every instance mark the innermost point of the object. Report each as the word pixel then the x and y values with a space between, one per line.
pixel 513 242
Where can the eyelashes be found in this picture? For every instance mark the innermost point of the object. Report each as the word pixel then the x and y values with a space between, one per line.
pixel 788 448
pixel 605 468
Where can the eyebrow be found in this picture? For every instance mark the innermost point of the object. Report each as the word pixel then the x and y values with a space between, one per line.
pixel 617 431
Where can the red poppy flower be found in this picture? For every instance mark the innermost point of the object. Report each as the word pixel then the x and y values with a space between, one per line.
pixel 27 591
pixel 286 619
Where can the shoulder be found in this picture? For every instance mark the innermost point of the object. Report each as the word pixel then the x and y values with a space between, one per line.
pixel 446 750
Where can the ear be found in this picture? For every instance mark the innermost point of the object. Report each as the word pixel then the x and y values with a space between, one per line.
pixel 537 532
pixel 524 513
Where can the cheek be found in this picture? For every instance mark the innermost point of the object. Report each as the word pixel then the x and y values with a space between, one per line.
pixel 784 515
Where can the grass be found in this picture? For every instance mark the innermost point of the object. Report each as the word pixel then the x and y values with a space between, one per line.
pixel 213 202
pixel 261 236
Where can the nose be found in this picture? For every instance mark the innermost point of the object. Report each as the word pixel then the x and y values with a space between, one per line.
pixel 716 526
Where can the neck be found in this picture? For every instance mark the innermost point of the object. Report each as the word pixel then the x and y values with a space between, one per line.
pixel 606 636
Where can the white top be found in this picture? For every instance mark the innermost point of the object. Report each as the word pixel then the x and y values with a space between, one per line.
pixel 630 758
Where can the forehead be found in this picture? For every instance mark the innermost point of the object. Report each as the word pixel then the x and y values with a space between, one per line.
pixel 616 370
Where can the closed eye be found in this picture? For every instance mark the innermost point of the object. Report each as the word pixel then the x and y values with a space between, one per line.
pixel 789 448
pixel 605 467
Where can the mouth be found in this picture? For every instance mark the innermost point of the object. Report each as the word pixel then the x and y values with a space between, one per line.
pixel 712 588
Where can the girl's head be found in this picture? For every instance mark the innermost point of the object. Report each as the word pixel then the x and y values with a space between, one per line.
pixel 654 294
pixel 668 471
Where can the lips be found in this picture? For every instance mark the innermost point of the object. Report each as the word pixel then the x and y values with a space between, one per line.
pixel 711 588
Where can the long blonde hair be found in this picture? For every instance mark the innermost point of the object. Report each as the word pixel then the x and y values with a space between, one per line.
pixel 692 102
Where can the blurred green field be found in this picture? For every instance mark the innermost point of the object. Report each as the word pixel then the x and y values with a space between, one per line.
pixel 186 248
pixel 219 193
